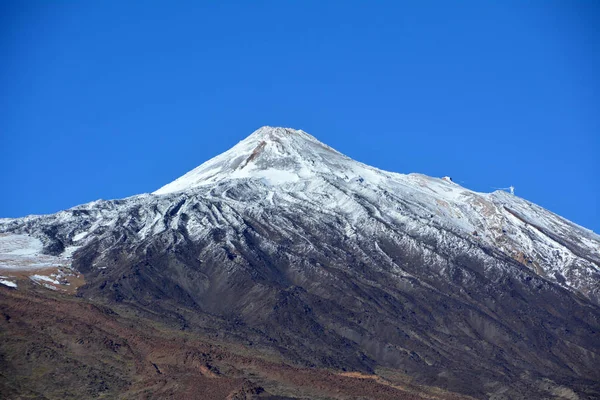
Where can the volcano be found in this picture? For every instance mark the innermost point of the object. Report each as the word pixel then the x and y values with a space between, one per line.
pixel 285 249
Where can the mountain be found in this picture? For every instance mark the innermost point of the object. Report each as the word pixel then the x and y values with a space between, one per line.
pixel 291 249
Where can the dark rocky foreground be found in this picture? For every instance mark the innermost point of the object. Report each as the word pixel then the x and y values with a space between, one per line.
pixel 54 346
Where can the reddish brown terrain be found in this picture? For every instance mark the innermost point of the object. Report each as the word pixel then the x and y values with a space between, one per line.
pixel 55 346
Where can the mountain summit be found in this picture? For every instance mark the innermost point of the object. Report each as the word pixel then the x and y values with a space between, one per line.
pixel 286 246
pixel 277 155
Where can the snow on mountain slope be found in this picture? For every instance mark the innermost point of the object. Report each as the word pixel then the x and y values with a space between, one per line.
pixel 280 168
pixel 300 168
pixel 23 256
pixel 276 155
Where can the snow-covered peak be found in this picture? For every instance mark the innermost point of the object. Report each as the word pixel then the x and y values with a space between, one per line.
pixel 277 155
pixel 275 133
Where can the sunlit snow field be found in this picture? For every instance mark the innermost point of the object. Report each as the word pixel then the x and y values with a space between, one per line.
pixel 21 256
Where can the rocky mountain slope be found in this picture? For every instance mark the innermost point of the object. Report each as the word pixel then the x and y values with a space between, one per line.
pixel 56 346
pixel 284 245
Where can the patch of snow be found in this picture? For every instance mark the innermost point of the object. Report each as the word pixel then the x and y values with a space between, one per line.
pixel 8 283
pixel 276 177
pixel 23 252
pixel 79 236
pixel 270 197
pixel 38 278
pixel 19 245
pixel 68 253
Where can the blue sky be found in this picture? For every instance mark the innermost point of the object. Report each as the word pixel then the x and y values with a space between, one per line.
pixel 108 99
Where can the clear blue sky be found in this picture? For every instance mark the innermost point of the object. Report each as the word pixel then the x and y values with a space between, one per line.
pixel 107 99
